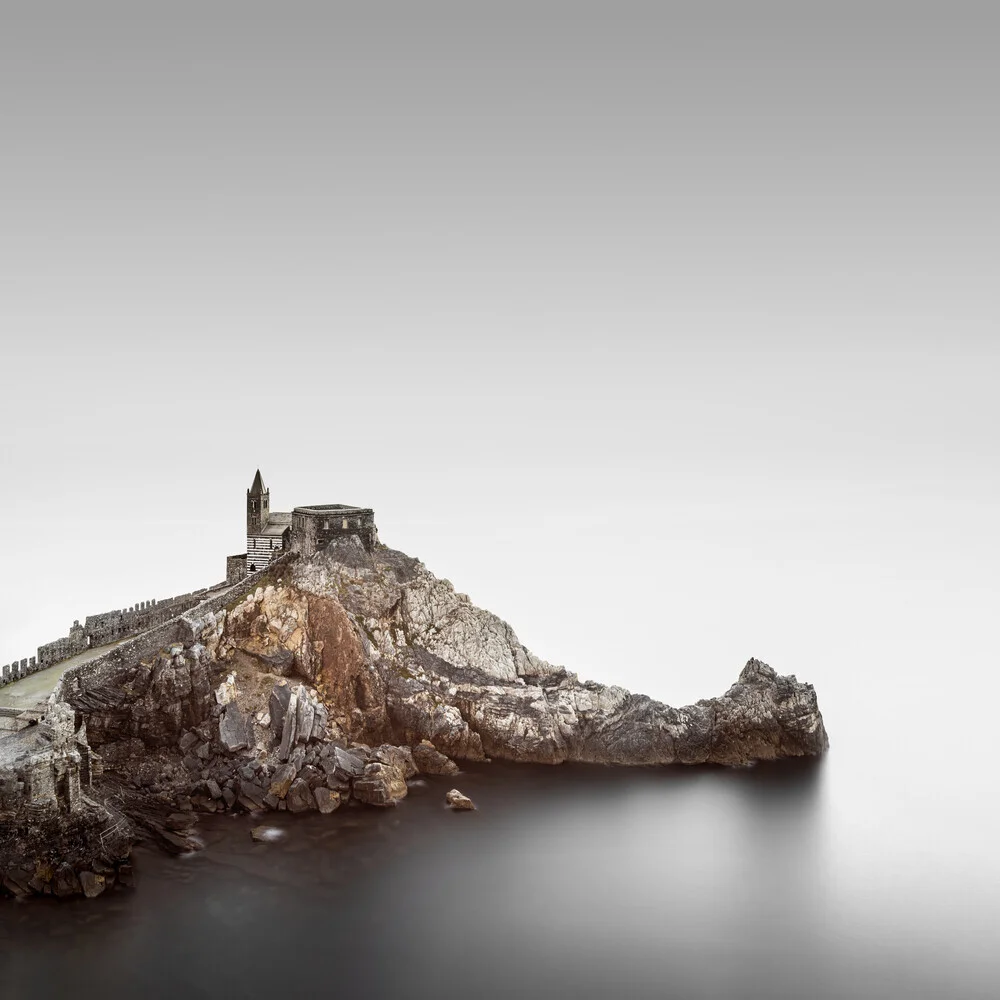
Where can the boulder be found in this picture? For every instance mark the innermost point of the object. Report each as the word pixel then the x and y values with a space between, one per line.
pixel 93 885
pixel 429 760
pixel 233 728
pixel 458 801
pixel 300 797
pixel 347 763
pixel 380 785
pixel 278 705
pixel 326 801
pixel 305 716
pixel 282 780
pixel 66 883
pixel 250 795
pixel 289 725
pixel 397 756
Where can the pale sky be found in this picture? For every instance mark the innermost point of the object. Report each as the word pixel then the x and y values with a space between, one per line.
pixel 667 332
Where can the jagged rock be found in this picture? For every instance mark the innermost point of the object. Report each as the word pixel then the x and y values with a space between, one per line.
pixel 250 795
pixel 400 757
pixel 349 764
pixel 282 780
pixel 66 882
pixel 214 788
pixel 326 800
pixel 312 776
pixel 429 761
pixel 93 885
pixel 289 725
pixel 278 706
pixel 300 797
pixel 381 784
pixel 181 822
pixel 226 691
pixel 281 662
pixel 458 801
pixel 457 676
pixel 154 700
pixel 233 728
pixel 305 716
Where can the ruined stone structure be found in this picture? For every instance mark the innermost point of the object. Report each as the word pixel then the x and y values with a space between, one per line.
pixel 45 769
pixel 304 531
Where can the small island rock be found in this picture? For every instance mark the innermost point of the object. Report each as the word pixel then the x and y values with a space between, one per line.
pixel 458 801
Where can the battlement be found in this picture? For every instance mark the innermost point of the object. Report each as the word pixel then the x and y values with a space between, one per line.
pixel 101 630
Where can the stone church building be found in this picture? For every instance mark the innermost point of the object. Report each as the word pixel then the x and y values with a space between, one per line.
pixel 305 530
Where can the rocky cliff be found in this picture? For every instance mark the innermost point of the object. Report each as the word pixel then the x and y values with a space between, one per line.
pixel 399 656
pixel 335 681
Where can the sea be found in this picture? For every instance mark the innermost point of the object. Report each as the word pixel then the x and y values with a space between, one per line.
pixel 811 878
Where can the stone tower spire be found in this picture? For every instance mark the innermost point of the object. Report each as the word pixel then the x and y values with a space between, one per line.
pixel 258 505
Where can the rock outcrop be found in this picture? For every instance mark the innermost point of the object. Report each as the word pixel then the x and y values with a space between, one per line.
pixel 337 684
pixel 445 671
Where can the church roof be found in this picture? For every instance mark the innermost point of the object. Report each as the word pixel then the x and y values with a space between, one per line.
pixel 277 523
pixel 257 489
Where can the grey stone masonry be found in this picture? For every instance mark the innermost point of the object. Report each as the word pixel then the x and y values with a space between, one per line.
pixel 101 630
pixel 313 528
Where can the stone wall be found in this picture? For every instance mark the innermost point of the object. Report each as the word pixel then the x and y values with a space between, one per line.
pixel 236 568
pixel 104 669
pixel 313 528
pixel 102 629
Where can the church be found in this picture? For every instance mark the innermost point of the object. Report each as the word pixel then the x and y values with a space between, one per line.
pixel 304 530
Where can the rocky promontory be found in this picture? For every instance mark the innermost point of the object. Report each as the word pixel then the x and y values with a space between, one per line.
pixel 335 680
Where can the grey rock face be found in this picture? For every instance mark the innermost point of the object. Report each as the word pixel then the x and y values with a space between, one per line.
pixel 297 716
pixel 152 700
pixel 457 676
pixel 348 763
pixel 233 728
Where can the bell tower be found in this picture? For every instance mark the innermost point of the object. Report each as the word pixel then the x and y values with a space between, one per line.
pixel 258 505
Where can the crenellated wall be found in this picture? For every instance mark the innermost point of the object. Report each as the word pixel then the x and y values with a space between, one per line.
pixel 102 629
pixel 110 666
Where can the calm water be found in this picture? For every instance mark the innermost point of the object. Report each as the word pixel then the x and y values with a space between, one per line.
pixel 569 881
